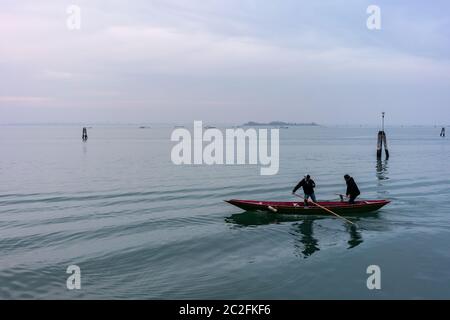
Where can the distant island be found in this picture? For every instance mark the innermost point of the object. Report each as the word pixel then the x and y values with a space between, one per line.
pixel 279 123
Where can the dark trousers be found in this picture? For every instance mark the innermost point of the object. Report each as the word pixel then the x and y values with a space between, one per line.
pixel 307 196
pixel 352 199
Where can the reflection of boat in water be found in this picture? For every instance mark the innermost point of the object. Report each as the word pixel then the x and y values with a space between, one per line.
pixel 358 207
pixel 249 218
pixel 307 242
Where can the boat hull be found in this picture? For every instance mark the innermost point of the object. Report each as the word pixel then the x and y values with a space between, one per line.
pixel 343 208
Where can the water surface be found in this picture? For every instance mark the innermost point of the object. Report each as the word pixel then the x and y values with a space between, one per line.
pixel 140 227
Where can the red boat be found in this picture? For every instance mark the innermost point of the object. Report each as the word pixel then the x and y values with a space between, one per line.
pixel 297 207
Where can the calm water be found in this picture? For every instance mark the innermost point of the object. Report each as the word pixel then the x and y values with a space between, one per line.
pixel 140 227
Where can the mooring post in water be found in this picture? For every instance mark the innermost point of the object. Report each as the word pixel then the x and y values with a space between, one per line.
pixel 386 150
pixel 382 140
pixel 443 132
pixel 379 144
pixel 84 136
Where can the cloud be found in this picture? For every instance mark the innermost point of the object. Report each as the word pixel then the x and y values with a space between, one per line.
pixel 7 101
pixel 57 75
pixel 224 58
pixel 24 99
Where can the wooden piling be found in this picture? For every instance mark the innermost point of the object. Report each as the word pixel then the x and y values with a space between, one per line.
pixel 382 140
pixel 379 144
pixel 84 135
pixel 386 150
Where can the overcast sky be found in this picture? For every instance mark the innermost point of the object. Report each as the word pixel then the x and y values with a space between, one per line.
pixel 225 61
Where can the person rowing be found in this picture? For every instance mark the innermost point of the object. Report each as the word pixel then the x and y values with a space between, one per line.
pixel 352 189
pixel 308 185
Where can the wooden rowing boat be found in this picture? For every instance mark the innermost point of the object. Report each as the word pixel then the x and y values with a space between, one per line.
pixel 298 207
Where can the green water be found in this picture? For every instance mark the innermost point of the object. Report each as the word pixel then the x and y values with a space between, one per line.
pixel 140 227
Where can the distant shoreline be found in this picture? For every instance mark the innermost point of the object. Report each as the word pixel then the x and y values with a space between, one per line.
pixel 217 124
pixel 281 123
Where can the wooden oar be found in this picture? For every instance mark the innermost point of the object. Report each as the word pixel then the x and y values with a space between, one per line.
pixel 326 209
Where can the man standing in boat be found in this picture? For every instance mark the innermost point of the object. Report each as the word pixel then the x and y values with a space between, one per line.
pixel 352 189
pixel 308 185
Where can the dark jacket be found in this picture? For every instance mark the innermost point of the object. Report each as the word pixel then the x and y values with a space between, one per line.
pixel 352 188
pixel 308 186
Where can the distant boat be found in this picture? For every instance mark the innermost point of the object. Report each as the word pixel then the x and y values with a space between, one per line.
pixel 178 127
pixel 144 127
pixel 210 127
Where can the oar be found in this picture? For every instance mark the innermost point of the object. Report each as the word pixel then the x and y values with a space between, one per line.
pixel 328 210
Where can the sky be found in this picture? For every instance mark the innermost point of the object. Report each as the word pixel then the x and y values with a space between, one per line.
pixel 225 61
